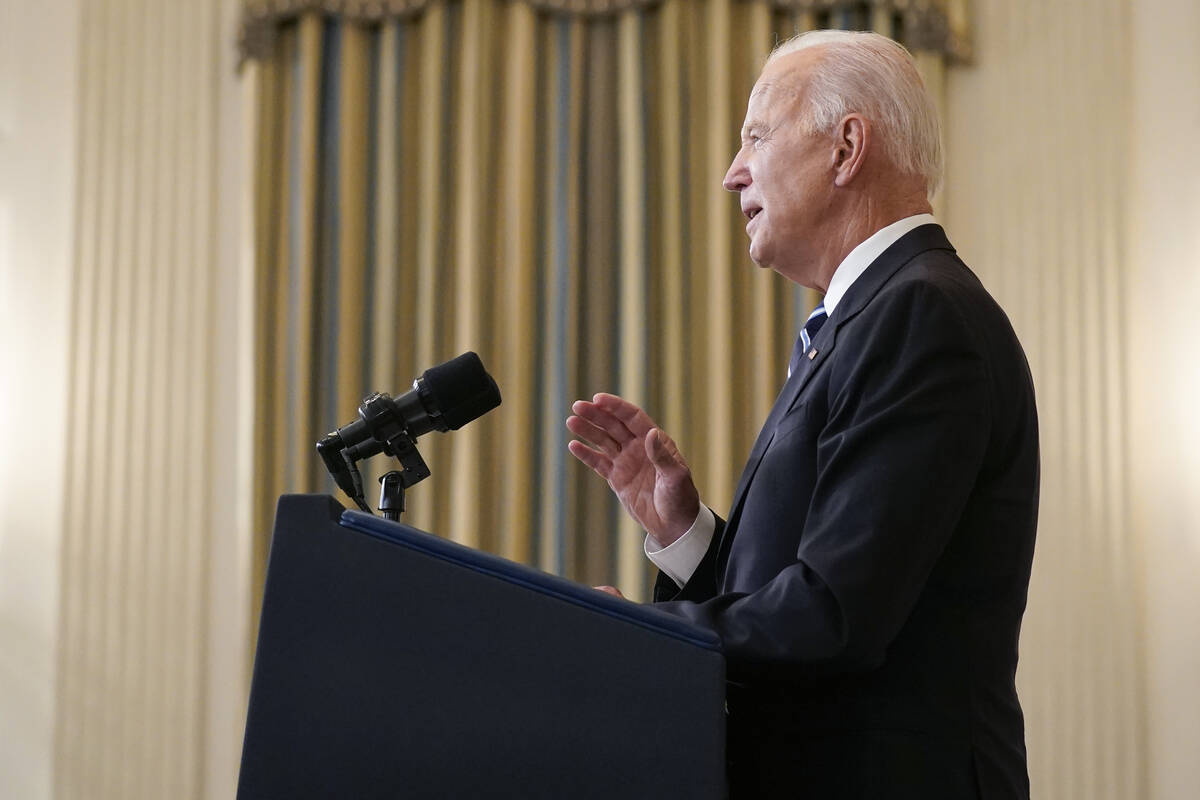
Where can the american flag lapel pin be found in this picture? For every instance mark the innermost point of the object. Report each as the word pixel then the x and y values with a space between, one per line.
pixel 812 354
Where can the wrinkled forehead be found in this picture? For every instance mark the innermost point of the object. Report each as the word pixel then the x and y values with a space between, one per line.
pixel 784 80
pixel 775 94
pixel 774 102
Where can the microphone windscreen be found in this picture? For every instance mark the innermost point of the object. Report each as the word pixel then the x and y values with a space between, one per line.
pixel 461 389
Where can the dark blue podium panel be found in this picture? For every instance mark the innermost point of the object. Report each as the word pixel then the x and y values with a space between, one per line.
pixel 392 663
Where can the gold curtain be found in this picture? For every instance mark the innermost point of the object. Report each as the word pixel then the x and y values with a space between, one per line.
pixel 540 184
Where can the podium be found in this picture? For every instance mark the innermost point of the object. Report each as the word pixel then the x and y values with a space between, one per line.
pixel 395 664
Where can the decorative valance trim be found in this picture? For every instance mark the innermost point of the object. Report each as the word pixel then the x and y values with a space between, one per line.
pixel 261 19
pixel 936 26
pixel 930 25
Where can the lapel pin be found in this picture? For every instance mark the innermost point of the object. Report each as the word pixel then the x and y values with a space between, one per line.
pixel 812 354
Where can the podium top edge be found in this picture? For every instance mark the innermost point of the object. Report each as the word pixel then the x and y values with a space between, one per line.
pixel 644 616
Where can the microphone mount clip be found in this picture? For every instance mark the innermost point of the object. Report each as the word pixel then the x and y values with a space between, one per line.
pixel 379 429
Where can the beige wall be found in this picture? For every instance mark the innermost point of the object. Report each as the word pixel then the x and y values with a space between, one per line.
pixel 124 558
pixel 1074 190
pixel 1162 323
pixel 229 568
pixel 38 69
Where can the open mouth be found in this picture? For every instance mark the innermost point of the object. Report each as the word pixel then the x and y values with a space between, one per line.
pixel 751 213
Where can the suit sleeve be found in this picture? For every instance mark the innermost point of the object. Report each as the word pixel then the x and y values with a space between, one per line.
pixel 897 457
pixel 703 582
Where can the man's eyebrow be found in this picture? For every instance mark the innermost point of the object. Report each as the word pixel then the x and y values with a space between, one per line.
pixel 750 126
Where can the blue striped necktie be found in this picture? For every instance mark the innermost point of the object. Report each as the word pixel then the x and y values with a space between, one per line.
pixel 813 324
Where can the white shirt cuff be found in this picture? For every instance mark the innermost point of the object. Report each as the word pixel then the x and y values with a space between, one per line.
pixel 680 558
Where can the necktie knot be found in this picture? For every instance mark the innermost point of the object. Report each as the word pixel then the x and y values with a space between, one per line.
pixel 809 332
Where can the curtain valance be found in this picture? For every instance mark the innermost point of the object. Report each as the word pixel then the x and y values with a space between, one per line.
pixel 936 26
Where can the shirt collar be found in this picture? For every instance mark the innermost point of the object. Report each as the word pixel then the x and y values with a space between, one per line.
pixel 865 253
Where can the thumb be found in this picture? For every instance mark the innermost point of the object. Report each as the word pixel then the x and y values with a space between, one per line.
pixel 663 453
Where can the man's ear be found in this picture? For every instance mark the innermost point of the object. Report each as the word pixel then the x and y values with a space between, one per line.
pixel 850 148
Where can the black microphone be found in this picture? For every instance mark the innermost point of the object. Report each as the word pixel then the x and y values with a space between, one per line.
pixel 444 398
pixel 458 391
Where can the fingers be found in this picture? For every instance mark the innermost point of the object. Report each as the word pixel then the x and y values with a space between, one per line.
pixel 608 424
pixel 613 427
pixel 597 461
pixel 614 591
pixel 633 418
pixel 592 433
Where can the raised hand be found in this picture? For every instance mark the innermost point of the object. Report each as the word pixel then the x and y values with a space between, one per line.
pixel 641 464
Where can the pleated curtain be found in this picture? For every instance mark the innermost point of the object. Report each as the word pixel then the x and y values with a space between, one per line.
pixel 539 183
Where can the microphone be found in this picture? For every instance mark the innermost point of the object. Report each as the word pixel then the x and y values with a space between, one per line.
pixel 459 391
pixel 444 398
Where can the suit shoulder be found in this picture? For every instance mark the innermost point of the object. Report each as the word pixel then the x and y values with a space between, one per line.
pixel 941 270
pixel 940 279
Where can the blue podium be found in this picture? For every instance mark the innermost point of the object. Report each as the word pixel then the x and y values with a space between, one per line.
pixel 395 664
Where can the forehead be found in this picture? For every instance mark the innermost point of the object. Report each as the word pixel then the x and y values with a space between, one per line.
pixel 782 84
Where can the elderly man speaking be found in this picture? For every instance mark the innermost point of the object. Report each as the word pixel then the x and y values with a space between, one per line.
pixel 868 582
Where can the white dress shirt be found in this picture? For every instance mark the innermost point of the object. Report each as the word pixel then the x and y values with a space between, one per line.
pixel 680 559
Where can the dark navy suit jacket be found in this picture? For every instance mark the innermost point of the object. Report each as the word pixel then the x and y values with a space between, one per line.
pixel 869 584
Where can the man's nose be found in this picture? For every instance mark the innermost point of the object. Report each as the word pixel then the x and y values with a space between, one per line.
pixel 737 177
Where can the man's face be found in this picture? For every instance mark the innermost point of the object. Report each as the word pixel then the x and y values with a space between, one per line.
pixel 782 175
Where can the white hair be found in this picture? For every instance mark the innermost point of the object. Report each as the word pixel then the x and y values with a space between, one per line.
pixel 870 74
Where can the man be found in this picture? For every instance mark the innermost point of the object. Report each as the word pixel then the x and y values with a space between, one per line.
pixel 869 580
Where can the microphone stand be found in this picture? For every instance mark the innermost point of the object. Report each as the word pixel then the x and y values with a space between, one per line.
pixel 391 495
pixel 393 484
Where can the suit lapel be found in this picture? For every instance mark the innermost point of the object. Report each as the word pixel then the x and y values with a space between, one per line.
pixel 787 398
pixel 821 346
pixel 918 240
